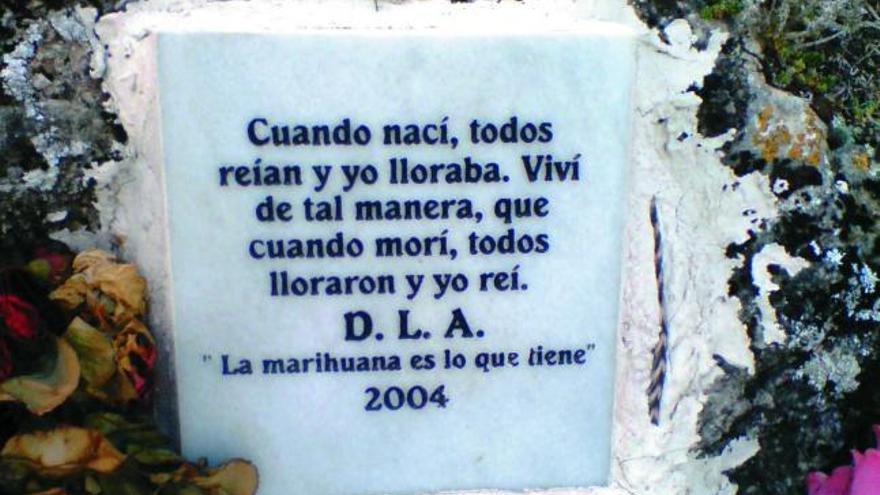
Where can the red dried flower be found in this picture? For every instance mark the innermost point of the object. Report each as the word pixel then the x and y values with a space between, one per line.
pixel 136 356
pixel 51 264
pixel 20 319
pixel 26 319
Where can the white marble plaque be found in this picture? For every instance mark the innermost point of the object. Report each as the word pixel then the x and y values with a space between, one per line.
pixel 395 254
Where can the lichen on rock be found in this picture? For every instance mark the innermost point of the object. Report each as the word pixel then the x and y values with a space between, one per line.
pixel 796 81
pixel 53 111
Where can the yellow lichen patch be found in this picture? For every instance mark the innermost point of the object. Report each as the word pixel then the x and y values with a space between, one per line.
pixel 764 118
pixel 861 161
pixel 815 158
pixel 773 145
pixel 797 150
pixel 815 138
pixel 776 136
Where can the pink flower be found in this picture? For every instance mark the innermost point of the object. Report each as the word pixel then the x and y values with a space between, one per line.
pixel 837 484
pixel 862 479
pixel 866 475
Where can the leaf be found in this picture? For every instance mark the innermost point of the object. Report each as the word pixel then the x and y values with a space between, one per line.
pixel 64 450
pixel 177 489
pixel 91 485
pixel 95 352
pixel 13 474
pixel 129 434
pixel 145 438
pixel 42 393
pixel 118 390
pixel 124 483
pixel 153 457
pixel 108 423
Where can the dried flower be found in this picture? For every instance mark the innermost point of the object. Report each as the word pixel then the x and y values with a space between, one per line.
pixel 22 309
pixel 42 392
pixel 21 330
pixel 25 306
pixel 236 477
pixel 113 352
pixel 19 318
pixel 117 350
pixel 94 350
pixel 64 450
pixel 116 369
pixel 51 264
pixel 136 355
pixel 106 293
pixel 36 368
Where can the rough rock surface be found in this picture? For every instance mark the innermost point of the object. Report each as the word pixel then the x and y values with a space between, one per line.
pixel 806 279
pixel 54 127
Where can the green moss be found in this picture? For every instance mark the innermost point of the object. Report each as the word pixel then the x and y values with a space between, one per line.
pixel 824 50
pixel 865 112
pixel 804 69
pixel 721 9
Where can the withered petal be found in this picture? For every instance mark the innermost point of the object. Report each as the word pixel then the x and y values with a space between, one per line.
pixel 64 450
pixel 42 393
pixel 88 259
pixel 236 477
pixel 95 352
